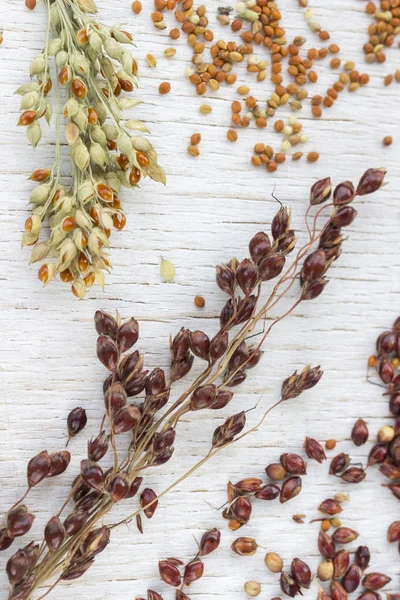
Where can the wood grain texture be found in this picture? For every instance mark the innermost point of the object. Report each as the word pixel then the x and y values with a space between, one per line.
pixel 207 213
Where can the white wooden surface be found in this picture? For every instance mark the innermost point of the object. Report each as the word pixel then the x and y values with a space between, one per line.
pixel 210 208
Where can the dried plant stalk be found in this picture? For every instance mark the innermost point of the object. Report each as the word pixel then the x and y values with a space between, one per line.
pixel 70 545
pixel 93 66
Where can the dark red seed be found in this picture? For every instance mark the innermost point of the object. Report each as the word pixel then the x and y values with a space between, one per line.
pixel 344 193
pixel 218 345
pixel 181 595
pixel 115 397
pixel 314 450
pixel 359 433
pixel 394 450
pixel 246 276
pixel 226 279
pixel 320 191
pixel 148 496
pixel 337 591
pixel 301 573
pixel 98 447
pixel 352 579
pixel 241 509
pixel 259 246
pixel 362 557
pixel 134 487
pixel 126 419
pixel 330 507
pixel 339 463
pixel 326 545
pixel 127 336
pixel 74 522
pixel 375 581
pixel 54 534
pixel 200 344
pixel 210 541
pixel 5 540
pixel 105 324
pixel 289 586
pixel 386 342
pixel 96 541
pixel 353 475
pixel 393 534
pixel 271 266
pixel 59 462
pixel 107 353
pixel 268 492
pixel 152 595
pixel 371 181
pixel 378 454
pixel 344 535
pixel 290 489
pixel 249 485
pixel 341 563
pixel 293 464
pixel 38 468
pixel 203 397
pixel 118 488
pixel 370 596
pixel 386 371
pixel 169 573
pixel 92 474
pixel 193 571
pixel 314 265
pixel 344 216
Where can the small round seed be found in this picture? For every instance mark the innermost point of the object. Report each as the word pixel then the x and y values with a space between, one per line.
pixel 297 155
pixel 273 562
pixel 199 301
pixel 137 7
pixel 164 88
pixel 388 79
pixel 252 588
pixel 386 434
pixel 232 135
pixel 205 109
pixel 387 140
pixel 193 150
pixel 312 157
pixel 195 139
pixel 325 524
pixel 169 52
pixel 330 444
pixel 151 60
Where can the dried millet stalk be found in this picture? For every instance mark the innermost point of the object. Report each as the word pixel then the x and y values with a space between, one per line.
pixel 93 66
pixel 70 545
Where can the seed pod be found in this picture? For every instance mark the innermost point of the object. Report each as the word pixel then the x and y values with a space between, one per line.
pixel 152 595
pixel 338 592
pixel 271 266
pixel 378 454
pixel 19 521
pixel 313 289
pixel 74 522
pixel 97 447
pixel 209 541
pixel 96 541
pixel 169 573
pixel 248 485
pixel 290 488
pixel 203 397
pixel 280 223
pixel 273 562
pixel 360 432
pixel 259 246
pixel 87 502
pixel 92 474
pixel 245 546
pixel 246 276
pixel 148 497
pixel 222 399
pixel 107 353
pixel 76 570
pixel 344 216
pixel 353 475
pixel 352 579
pixel 134 487
pixel 289 586
pixel 54 534
pixel 193 571
pixel 362 557
pixel 320 191
pixel 76 421
pixel 17 567
pixel 386 343
pixel 386 371
pixel 226 279
pixel 344 193
pixel 330 507
pixel 241 509
pixel 293 464
pixel 370 182
pixel 339 463
pixel 227 432
pixel 275 471
pixel 375 581
pixel 38 468
pixel 325 570
pixel 128 334
pixel 326 545
pixel 5 540
pixel 390 470
pixel 344 535
pixel 393 534
pixel 268 492
pixel 341 563
pixel 301 573
pixel 126 419
pixel 118 488
pixel 218 345
pixel 179 596
pixel 314 265
pixel 115 397
pixel 163 440
pixel 314 450
pixel 59 462
pixel 200 344
pixel 245 309
pixel 239 356
pixel 105 324
pixel 394 450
